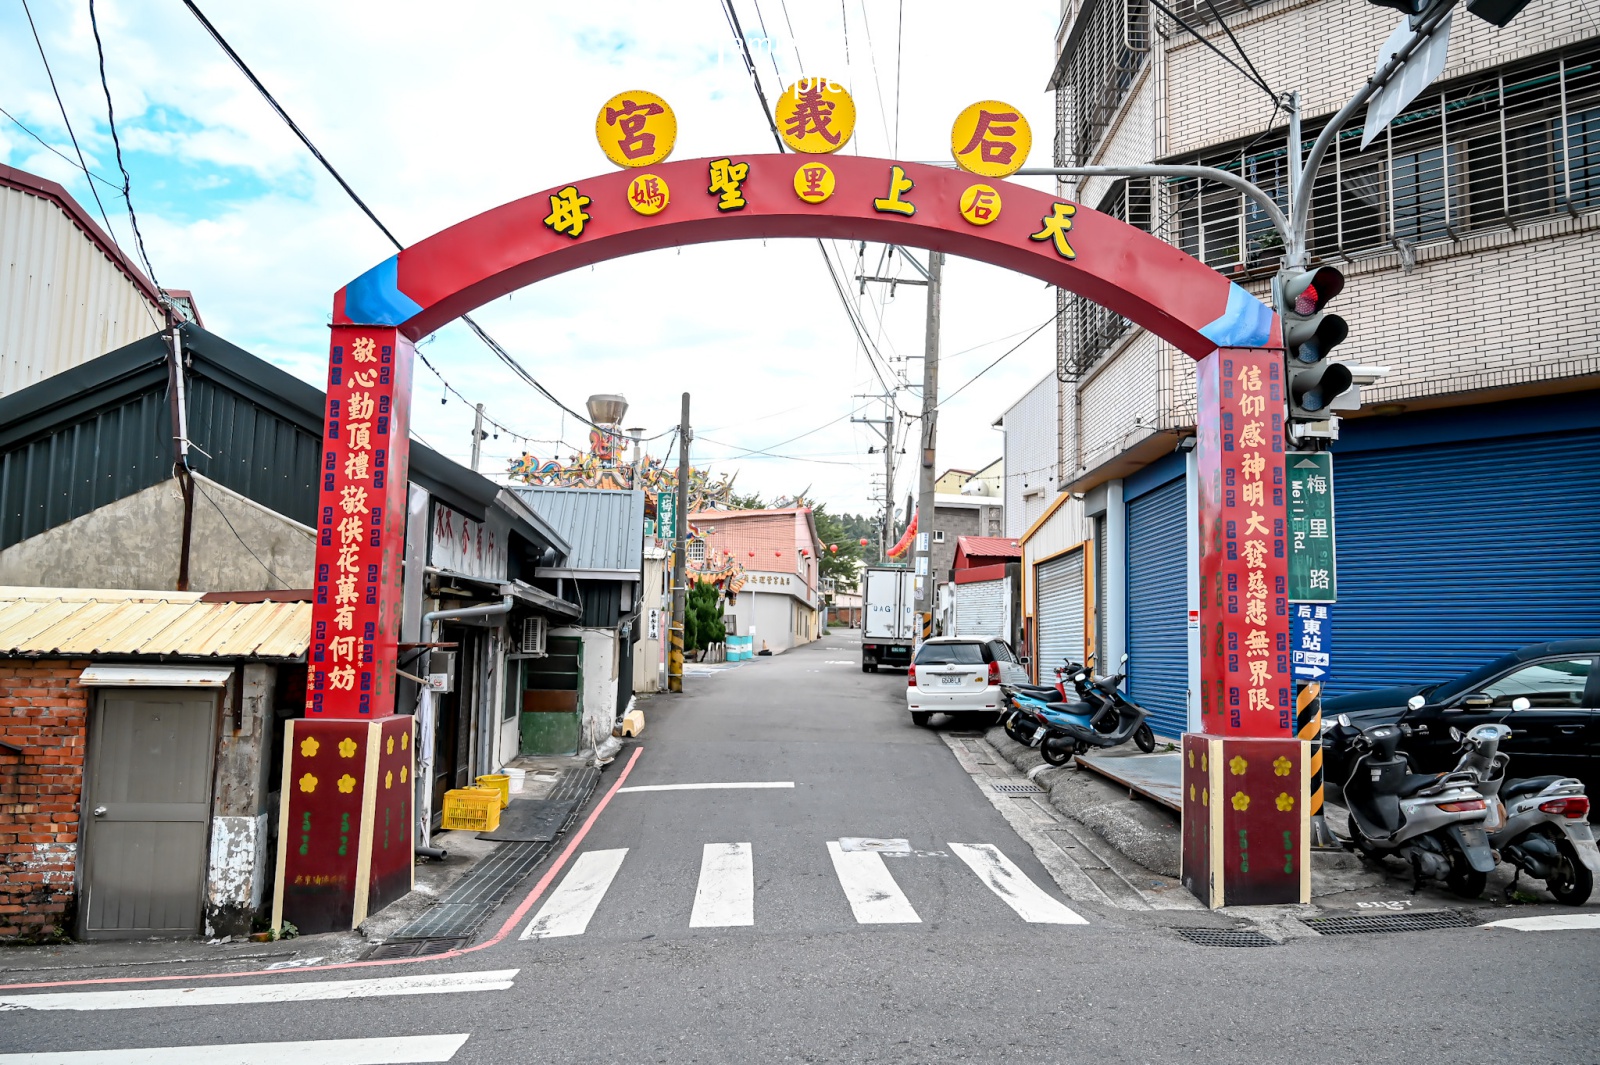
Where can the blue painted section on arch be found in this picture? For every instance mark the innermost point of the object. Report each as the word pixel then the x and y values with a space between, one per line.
pixel 1246 323
pixel 375 298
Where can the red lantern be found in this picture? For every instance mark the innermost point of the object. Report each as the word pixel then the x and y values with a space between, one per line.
pixel 752 554
pixel 777 554
pixel 863 541
pixel 834 548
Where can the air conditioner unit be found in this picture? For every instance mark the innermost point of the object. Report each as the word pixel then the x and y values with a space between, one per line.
pixel 534 631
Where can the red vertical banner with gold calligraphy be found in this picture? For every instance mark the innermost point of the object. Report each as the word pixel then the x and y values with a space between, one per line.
pixel 355 619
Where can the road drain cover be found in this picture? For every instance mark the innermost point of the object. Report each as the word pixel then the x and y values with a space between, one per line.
pixel 412 948
pixel 871 843
pixel 1225 937
pixel 1362 924
pixel 1018 789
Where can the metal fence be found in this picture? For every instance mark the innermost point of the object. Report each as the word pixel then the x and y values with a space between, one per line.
pixel 1495 150
pixel 1090 330
pixel 1106 56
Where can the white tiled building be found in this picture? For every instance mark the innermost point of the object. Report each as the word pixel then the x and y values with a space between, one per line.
pixel 1469 236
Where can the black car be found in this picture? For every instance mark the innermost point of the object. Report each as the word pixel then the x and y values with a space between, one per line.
pixel 1558 733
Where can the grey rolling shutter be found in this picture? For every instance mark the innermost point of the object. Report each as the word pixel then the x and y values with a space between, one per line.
pixel 1059 613
pixel 1158 650
pixel 981 609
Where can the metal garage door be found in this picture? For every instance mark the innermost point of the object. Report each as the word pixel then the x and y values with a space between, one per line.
pixel 983 608
pixel 1059 613
pixel 1453 554
pixel 1158 649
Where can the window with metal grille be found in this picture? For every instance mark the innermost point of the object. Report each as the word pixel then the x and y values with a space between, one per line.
pixel 697 550
pixel 1500 148
pixel 1101 64
pixel 1091 328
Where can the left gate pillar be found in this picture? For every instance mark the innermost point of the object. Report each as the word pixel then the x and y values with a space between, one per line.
pixel 344 838
pixel 1245 776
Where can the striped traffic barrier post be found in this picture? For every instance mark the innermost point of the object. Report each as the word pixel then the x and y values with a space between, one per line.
pixel 1308 727
pixel 675 658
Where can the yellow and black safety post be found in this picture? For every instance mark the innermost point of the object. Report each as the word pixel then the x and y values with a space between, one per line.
pixel 1308 727
pixel 680 575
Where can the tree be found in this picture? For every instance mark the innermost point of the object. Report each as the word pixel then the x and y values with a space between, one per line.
pixel 832 531
pixel 746 501
pixel 702 622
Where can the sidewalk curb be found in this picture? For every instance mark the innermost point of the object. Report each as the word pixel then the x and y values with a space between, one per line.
pixel 1140 830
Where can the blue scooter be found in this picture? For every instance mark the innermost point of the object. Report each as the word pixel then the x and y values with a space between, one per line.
pixel 1101 717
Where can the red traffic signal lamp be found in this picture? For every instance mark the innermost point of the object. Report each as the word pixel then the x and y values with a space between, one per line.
pixel 1309 334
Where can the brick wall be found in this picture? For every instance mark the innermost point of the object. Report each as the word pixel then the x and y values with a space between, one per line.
pixel 44 711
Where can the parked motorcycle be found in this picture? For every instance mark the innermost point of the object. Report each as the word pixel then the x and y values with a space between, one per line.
pixel 1539 825
pixel 1433 821
pixel 1100 717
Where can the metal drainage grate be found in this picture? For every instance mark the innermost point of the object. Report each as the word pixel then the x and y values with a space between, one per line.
pixel 412 948
pixel 1018 789
pixel 1225 937
pixel 1361 924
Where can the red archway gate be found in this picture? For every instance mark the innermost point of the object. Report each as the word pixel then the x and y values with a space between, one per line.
pixel 345 831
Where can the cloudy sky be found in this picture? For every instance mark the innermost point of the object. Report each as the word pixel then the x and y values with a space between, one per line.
pixel 436 112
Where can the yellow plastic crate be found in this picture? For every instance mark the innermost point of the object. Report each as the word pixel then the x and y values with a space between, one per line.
pixel 471 810
pixel 498 782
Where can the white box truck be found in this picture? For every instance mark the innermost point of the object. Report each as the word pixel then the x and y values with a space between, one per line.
pixel 889 630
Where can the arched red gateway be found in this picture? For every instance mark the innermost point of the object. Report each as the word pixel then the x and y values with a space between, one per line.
pixel 346 828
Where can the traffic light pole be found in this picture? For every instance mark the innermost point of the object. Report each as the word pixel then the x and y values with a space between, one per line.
pixel 926 455
pixel 680 568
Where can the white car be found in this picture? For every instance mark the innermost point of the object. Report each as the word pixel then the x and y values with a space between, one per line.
pixel 961 675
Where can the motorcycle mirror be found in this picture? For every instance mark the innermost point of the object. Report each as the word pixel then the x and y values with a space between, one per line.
pixel 1520 703
pixel 1123 659
pixel 1081 677
pixel 1344 719
pixel 1416 702
pixel 1455 734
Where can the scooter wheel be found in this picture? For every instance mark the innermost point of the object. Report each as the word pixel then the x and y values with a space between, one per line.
pixel 1145 739
pixel 1056 753
pixel 1464 880
pixel 1573 883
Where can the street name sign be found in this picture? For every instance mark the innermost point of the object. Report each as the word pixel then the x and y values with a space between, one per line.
pixel 1312 564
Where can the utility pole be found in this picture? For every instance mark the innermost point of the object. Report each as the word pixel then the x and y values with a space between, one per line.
pixel 680 570
pixel 477 437
pixel 922 548
pixel 885 428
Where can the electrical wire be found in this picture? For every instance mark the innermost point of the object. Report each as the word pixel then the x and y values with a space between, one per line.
pixel 1197 35
pixel 899 38
pixel 116 142
pixel 492 344
pixel 1242 53
pixel 999 360
pixel 53 150
pixel 224 515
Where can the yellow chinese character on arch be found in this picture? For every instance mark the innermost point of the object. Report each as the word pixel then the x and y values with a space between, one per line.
pixel 356 465
pixel 1259 672
pixel 1250 435
pixel 1257 645
pixel 344 617
pixel 899 185
pixel 1250 378
pixel 361 405
pixel 364 378
pixel 1256 525
pixel 1253 406
pixel 1255 612
pixel 353 499
pixel 567 214
pixel 1056 226
pixel 1252 465
pixel 727 183
pixel 342 679
pixel 1259 700
pixel 339 649
pixel 346 589
pixel 360 435
pixel 362 349
pixel 1254 494
pixel 1255 554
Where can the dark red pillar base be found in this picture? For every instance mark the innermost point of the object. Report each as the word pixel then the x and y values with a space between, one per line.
pixel 1246 832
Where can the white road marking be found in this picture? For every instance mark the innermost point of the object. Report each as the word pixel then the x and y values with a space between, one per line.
pixel 392 1050
pixel 568 910
pixel 238 994
pixel 726 896
pixel 873 895
pixel 1001 876
pixel 731 785
pixel 1556 922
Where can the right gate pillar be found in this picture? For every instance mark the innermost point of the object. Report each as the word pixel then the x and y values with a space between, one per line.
pixel 1246 783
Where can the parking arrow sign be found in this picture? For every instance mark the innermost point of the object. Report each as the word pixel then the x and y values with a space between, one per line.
pixel 1310 640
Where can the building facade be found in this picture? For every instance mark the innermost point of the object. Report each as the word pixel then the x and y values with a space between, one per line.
pixel 1456 484
pixel 779 604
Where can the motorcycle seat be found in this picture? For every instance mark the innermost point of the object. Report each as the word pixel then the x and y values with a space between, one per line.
pixel 1416 782
pixel 1528 786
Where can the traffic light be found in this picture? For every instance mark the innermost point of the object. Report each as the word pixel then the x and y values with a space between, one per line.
pixel 1309 334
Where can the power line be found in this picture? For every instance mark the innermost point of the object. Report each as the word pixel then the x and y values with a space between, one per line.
pixel 493 345
pixel 1255 79
pixel 999 360
pixel 127 180
pixel 1242 53
pixel 53 150
pixel 899 38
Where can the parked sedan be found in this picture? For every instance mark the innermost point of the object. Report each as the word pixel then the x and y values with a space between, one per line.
pixel 1558 733
pixel 961 675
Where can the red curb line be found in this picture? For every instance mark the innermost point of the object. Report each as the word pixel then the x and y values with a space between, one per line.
pixel 505 929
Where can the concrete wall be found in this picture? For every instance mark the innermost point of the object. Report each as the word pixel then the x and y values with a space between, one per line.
pixel 1031 455
pixel 239 869
pixel 599 693
pixel 134 543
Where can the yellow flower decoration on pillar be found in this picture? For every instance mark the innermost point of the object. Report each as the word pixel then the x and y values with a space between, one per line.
pixel 1282 767
pixel 308 783
pixel 1191 793
pixel 389 747
pixel 1285 801
pixel 1205 796
pixel 1191 758
pixel 388 780
pixel 402 774
pixel 1237 765
pixel 1241 801
pixel 308 747
pixel 347 783
pixel 347 748
pixel 405 740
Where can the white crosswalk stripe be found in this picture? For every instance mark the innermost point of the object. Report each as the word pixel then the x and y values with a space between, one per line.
pixel 873 895
pixel 390 1050
pixel 1001 876
pixel 568 910
pixel 239 994
pixel 726 895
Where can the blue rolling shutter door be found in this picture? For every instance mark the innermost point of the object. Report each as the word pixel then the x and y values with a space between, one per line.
pixel 1451 555
pixel 1158 654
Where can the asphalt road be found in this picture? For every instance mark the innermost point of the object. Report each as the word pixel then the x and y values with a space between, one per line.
pixel 806 981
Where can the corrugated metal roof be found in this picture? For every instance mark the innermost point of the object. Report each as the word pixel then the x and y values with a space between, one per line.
pixel 1002 546
pixel 80 622
pixel 603 527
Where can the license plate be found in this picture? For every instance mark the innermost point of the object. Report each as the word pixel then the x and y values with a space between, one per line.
pixel 1038 737
pixel 1582 832
pixel 950 678
pixel 1474 837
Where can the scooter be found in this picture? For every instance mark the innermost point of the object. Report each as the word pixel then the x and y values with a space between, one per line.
pixel 1060 729
pixel 1538 824
pixel 1433 821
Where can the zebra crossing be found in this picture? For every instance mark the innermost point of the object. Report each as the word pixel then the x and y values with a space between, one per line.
pixel 725 895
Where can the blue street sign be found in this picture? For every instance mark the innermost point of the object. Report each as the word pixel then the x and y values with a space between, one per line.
pixel 1310 640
